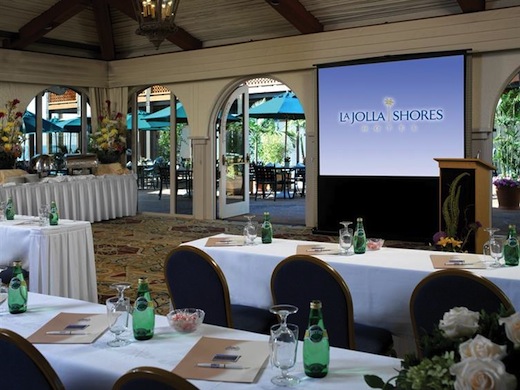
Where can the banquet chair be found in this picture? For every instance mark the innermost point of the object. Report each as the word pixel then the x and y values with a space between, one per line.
pixel 194 279
pixel 23 366
pixel 442 290
pixel 299 279
pixel 152 378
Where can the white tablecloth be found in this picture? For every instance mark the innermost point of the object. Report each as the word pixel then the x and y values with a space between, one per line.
pixel 380 282
pixel 60 259
pixel 84 197
pixel 97 366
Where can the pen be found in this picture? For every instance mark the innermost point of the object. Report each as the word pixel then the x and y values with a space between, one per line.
pixel 221 365
pixel 66 333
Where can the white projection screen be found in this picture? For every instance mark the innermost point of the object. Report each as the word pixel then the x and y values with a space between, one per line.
pixel 381 124
pixel 391 117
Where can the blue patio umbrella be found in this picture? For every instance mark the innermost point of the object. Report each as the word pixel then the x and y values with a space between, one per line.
pixel 285 106
pixel 29 124
pixel 143 124
pixel 72 125
pixel 164 114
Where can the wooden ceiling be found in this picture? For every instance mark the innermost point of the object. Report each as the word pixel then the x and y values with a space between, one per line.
pixel 105 29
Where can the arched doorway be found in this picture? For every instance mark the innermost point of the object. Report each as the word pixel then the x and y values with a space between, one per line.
pixel 506 154
pixel 274 139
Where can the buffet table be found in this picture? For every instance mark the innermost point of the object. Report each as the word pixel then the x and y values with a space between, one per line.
pixel 83 197
pixel 97 366
pixel 380 282
pixel 60 259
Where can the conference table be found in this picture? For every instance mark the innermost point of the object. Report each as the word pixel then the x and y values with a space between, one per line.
pixel 60 259
pixel 380 282
pixel 82 197
pixel 97 366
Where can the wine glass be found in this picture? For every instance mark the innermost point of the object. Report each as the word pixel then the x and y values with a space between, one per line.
pixel 250 230
pixel 491 231
pixel 346 236
pixel 284 345
pixel 118 314
pixel 496 250
pixel 120 287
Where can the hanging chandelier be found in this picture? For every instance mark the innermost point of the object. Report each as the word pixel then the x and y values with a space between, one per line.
pixel 156 19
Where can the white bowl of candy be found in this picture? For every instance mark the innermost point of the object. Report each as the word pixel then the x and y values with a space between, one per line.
pixel 185 320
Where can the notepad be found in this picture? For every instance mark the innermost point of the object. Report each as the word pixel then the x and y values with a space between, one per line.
pixel 71 328
pixel 225 241
pixel 200 363
pixel 318 249
pixel 455 260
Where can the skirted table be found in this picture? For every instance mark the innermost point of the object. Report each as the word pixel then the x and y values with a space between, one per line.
pixel 84 197
pixel 60 259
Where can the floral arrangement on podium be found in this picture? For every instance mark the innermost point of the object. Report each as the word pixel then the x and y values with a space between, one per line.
pixel 108 141
pixel 11 138
pixel 467 350
pixel 451 239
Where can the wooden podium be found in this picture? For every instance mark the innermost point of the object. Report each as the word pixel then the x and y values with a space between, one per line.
pixel 475 199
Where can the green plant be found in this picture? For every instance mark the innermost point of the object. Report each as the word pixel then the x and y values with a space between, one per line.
pixel 506 144
pixel 450 207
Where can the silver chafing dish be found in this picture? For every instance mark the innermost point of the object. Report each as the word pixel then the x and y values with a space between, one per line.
pixel 80 162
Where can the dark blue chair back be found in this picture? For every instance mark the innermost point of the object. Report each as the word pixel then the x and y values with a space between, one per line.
pixel 23 366
pixel 194 279
pixel 152 378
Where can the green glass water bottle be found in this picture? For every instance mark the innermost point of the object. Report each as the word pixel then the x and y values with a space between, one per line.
pixel 9 209
pixel 511 248
pixel 360 238
pixel 267 229
pixel 316 349
pixel 53 214
pixel 17 293
pixel 143 315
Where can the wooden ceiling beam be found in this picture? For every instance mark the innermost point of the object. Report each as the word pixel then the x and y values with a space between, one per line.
pixel 60 12
pixel 472 5
pixel 104 29
pixel 296 14
pixel 180 38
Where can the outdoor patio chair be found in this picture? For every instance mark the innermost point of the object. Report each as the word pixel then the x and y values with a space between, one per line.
pixel 266 178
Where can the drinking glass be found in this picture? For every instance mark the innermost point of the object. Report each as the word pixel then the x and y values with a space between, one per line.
pixel 284 343
pixel 496 248
pixel 491 231
pixel 3 294
pixel 250 230
pixel 346 236
pixel 43 214
pixel 2 210
pixel 118 314
pixel 120 287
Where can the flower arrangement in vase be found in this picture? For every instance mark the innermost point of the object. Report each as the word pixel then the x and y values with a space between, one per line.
pixel 108 141
pixel 465 348
pixel 11 138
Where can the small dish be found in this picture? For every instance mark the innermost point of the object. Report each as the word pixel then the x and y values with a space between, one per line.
pixel 374 244
pixel 185 320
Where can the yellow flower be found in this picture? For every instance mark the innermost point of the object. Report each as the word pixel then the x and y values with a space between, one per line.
pixel 444 241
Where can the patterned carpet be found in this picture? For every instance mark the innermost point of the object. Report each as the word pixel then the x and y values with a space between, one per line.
pixel 133 247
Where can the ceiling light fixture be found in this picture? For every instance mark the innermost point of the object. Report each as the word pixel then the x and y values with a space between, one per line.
pixel 156 19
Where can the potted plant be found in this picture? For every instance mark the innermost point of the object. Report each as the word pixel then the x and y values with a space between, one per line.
pixel 506 157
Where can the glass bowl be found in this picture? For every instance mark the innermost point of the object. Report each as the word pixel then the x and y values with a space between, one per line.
pixel 185 320
pixel 374 244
